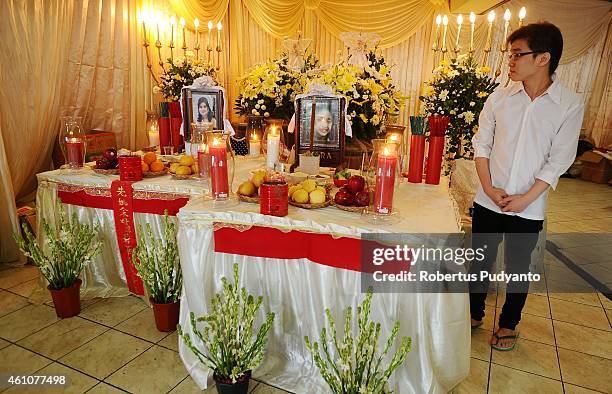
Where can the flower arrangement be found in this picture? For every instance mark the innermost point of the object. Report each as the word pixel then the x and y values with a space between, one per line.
pixel 370 93
pixel 357 368
pixel 458 89
pixel 157 262
pixel 232 350
pixel 179 72
pixel 71 247
pixel 269 89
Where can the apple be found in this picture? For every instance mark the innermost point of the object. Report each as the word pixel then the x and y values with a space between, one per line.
pixel 356 183
pixel 103 163
pixel 343 197
pixel 339 182
pixel 362 199
pixel 110 154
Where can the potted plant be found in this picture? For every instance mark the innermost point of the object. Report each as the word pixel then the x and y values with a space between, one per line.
pixel 232 350
pixel 355 366
pixel 157 262
pixel 65 252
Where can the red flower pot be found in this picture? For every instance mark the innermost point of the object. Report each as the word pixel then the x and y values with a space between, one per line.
pixel 225 386
pixel 67 301
pixel 166 315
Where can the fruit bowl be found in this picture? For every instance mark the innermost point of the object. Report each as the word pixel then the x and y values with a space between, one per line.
pixel 182 177
pixel 324 204
pixel 104 171
pixel 350 208
pixel 252 199
pixel 152 174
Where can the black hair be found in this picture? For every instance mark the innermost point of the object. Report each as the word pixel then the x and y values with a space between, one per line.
pixel 210 112
pixel 541 37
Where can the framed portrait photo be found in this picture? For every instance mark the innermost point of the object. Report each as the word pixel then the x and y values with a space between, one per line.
pixel 326 123
pixel 202 106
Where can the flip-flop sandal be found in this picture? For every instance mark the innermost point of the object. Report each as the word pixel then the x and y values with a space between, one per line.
pixel 507 348
pixel 473 326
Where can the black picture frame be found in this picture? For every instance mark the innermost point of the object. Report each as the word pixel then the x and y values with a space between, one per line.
pixel 191 99
pixel 330 139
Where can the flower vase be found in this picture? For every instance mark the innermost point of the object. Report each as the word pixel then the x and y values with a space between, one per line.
pixel 166 315
pixel 67 301
pixel 226 386
pixel 72 141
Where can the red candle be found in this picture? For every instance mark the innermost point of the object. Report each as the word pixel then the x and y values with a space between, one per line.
pixel 218 169
pixel 75 150
pixel 204 164
pixel 385 181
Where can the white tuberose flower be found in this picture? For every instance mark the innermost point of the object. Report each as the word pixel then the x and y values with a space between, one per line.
pixel 443 95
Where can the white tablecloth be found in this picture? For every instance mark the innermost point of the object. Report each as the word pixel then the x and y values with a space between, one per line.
pixel 298 291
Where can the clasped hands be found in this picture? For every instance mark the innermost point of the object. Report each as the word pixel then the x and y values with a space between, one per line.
pixel 508 203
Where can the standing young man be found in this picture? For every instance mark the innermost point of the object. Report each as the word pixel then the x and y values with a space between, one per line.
pixel 528 134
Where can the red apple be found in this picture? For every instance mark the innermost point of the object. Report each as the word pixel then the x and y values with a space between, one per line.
pixel 343 197
pixel 362 199
pixel 356 183
pixel 110 154
pixel 340 182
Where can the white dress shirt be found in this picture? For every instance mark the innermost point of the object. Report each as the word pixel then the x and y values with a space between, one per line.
pixel 526 140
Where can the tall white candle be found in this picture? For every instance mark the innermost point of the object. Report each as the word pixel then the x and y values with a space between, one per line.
pixel 459 23
pixel 472 22
pixel 273 147
pixel 445 23
pixel 254 148
pixel 507 19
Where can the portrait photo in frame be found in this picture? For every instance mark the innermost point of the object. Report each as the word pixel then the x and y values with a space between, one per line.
pixel 202 106
pixel 327 124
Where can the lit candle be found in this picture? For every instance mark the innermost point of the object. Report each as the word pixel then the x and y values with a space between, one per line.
pixel 196 23
pixel 394 138
pixel 183 26
pixel 459 22
pixel 273 148
pixel 157 20
pixel 219 36
pixel 435 43
pixel 506 24
pixel 490 18
pixel 445 23
pixel 385 180
pixel 472 22
pixel 203 161
pixel 75 150
pixel 218 169
pixel 153 134
pixel 210 26
pixel 172 23
pixel 140 19
pixel 254 146
pixel 522 14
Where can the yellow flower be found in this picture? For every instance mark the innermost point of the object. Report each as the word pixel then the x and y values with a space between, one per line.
pixel 363 117
pixel 482 94
pixel 428 91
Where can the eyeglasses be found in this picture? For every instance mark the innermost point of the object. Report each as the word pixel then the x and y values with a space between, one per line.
pixel 518 55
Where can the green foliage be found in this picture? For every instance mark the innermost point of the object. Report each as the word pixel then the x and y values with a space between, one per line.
pixel 458 89
pixel 228 336
pixel 355 366
pixel 70 248
pixel 158 264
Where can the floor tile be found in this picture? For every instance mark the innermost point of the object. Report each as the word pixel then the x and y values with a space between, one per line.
pixel 26 321
pixel 580 314
pixel 532 357
pixel 4 343
pixel 103 388
pixel 585 370
pixel 10 302
pixel 583 339
pixel 263 388
pixel 112 311
pixel 32 289
pixel 605 301
pixel 571 389
pixel 534 305
pixel 11 277
pixel 581 298
pixel 170 342
pixel 62 337
pixel 536 328
pixel 481 349
pixel 590 253
pixel 188 386
pixel 143 326
pixel 16 360
pixel 76 382
pixel 168 367
pixel 477 380
pixel 113 347
pixel 507 380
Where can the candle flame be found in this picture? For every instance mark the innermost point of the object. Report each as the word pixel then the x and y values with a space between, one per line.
pixel 172 20
pixel 445 20
pixel 254 137
pixel 438 19
pixel 472 17
pixel 216 141
pixel 219 26
pixel 196 23
pixel 459 19
pixel 522 13
pixel 210 25
pixel 385 151
pixel 182 21
pixel 394 137
pixel 491 16
pixel 507 15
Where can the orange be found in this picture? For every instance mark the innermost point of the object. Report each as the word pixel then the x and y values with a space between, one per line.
pixel 149 157
pixel 157 166
pixel 145 167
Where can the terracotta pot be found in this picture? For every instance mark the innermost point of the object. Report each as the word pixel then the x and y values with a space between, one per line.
pixel 67 301
pixel 225 386
pixel 166 315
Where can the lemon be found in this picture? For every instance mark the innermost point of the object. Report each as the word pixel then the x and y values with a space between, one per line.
pixel 186 161
pixel 258 178
pixel 317 196
pixel 173 167
pixel 322 189
pixel 309 185
pixel 183 170
pixel 293 188
pixel 247 188
pixel 300 196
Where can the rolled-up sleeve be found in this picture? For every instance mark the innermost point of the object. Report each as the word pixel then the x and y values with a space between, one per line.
pixel 563 149
pixel 483 140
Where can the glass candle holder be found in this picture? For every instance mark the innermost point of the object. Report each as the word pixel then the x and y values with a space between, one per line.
pixel 72 141
pixel 273 145
pixel 386 166
pixel 152 126
pixel 221 165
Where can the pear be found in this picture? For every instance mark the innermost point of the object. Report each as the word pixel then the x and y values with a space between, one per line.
pixel 247 188
pixel 317 196
pixel 300 196
pixel 309 185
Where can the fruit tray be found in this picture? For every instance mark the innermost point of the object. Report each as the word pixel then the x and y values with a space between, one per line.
pixel 350 208
pixel 152 174
pixel 254 200
pixel 112 171
pixel 182 177
pixel 312 206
